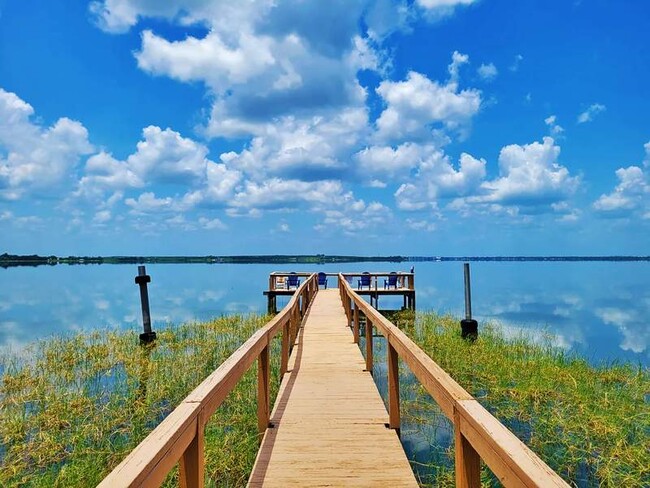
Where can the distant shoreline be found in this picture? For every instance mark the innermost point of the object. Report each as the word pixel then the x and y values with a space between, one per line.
pixel 11 260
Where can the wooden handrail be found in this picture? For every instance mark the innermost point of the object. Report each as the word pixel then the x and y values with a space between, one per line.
pixel 180 436
pixel 478 434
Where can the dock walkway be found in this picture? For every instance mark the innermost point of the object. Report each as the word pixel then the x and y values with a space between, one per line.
pixel 329 422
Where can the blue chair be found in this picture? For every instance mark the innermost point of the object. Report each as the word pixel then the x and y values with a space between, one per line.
pixel 293 281
pixel 364 281
pixel 391 281
pixel 322 279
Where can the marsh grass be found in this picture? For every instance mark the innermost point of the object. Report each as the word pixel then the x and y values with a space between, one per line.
pixel 79 404
pixel 591 424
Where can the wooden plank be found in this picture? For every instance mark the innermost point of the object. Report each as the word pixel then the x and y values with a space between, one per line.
pixel 329 420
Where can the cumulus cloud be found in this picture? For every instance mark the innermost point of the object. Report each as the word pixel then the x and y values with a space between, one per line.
pixel 530 175
pixel 438 179
pixel 34 158
pixel 387 161
pixel 487 72
pixel 631 195
pixel 309 149
pixel 589 114
pixel 414 105
pixel 162 157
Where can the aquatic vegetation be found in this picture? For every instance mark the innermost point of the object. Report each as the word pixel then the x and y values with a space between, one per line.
pixel 591 424
pixel 79 404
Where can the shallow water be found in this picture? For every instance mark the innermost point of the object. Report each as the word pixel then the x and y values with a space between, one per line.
pixel 597 309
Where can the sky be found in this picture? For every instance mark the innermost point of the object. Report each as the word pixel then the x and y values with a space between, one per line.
pixel 370 127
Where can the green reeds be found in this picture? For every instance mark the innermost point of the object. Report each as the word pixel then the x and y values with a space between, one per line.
pixel 591 424
pixel 74 409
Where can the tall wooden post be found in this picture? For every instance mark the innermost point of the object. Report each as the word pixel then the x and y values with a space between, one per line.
pixel 263 390
pixel 393 387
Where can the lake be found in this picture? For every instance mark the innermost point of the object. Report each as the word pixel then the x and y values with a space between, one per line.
pixel 598 309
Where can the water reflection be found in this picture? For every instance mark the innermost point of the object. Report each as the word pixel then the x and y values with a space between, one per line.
pixel 597 309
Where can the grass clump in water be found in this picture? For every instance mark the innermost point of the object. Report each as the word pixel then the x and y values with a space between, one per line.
pixel 78 405
pixel 591 424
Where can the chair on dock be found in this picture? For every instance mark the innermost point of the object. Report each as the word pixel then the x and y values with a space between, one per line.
pixel 280 283
pixel 293 281
pixel 364 281
pixel 391 281
pixel 322 279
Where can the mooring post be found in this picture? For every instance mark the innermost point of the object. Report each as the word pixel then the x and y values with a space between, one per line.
pixel 468 326
pixel 142 279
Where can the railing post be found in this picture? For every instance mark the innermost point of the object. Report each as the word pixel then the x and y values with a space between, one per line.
pixel 393 387
pixel 192 463
pixel 356 324
pixel 467 460
pixel 284 361
pixel 263 391
pixel 369 359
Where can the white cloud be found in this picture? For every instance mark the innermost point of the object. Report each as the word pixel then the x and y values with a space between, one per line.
pixel 420 225
pixel 437 179
pixel 36 159
pixel 162 157
pixel 437 9
pixel 415 104
pixel 487 72
pixel 457 60
pixel 388 161
pixel 310 149
pixel 589 114
pixel 530 176
pixel 554 128
pixel 515 64
pixel 212 224
pixel 632 193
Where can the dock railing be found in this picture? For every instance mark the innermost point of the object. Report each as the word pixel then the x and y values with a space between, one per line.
pixel 478 434
pixel 180 436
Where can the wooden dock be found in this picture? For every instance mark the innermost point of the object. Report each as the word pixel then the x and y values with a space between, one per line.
pixel 329 426
pixel 329 422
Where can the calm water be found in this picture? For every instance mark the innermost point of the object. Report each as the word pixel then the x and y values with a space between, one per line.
pixel 597 309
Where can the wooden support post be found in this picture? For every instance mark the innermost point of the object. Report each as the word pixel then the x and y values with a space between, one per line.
pixel 356 324
pixel 369 359
pixel 192 463
pixel 284 361
pixel 263 390
pixel 271 282
pixel 467 460
pixel 393 388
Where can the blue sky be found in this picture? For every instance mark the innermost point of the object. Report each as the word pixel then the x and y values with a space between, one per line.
pixel 420 127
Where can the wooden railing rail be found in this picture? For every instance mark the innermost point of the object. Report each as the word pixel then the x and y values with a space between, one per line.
pixel 478 434
pixel 180 436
